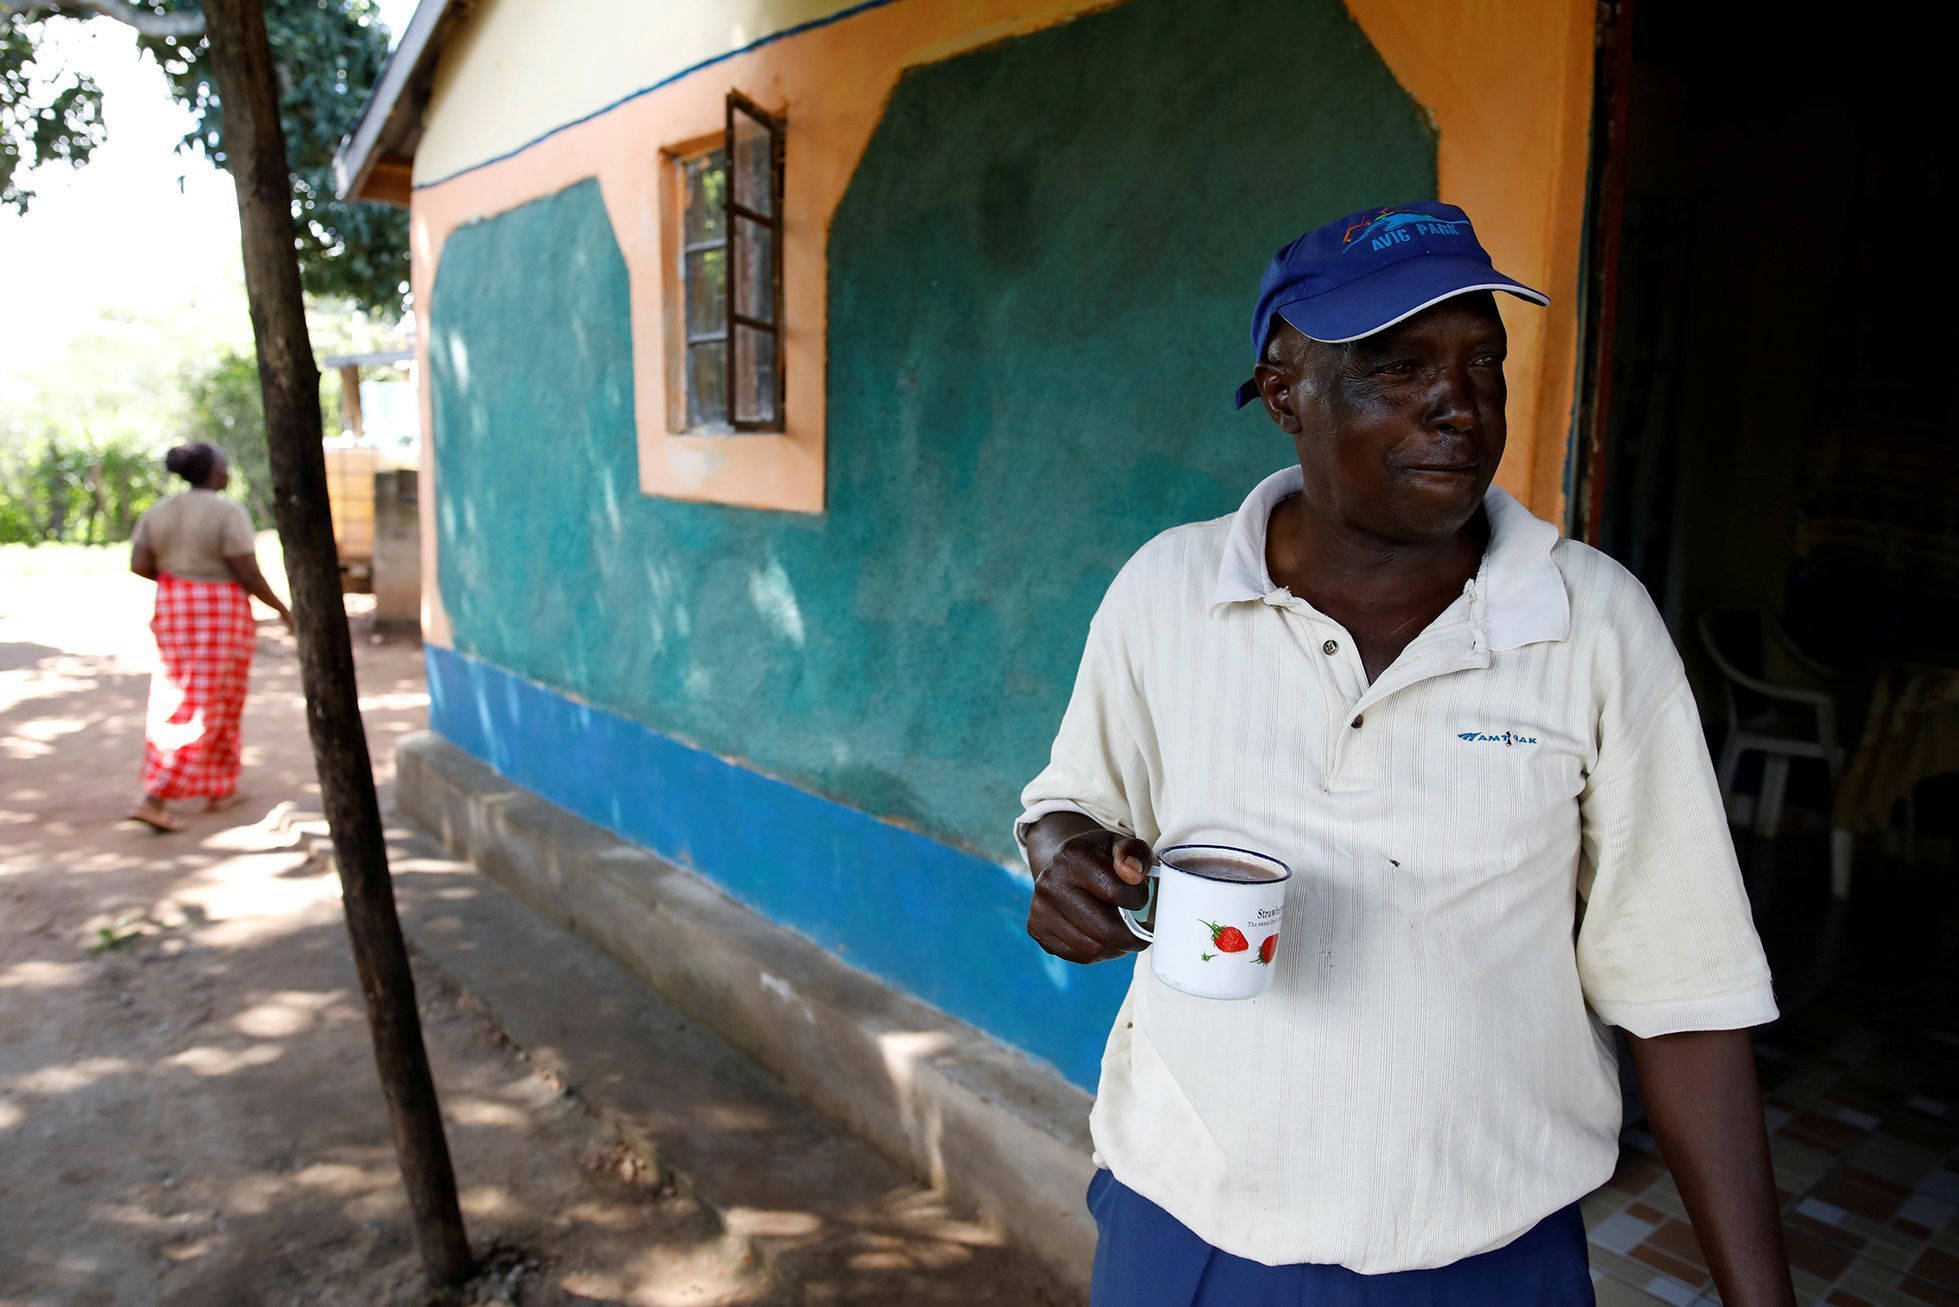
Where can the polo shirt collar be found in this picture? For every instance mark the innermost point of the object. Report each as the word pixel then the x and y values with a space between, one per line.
pixel 1521 592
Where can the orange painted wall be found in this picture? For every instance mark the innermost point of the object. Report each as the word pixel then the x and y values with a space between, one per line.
pixel 1508 86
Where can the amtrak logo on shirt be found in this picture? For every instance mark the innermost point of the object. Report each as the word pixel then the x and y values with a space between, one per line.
pixel 1508 739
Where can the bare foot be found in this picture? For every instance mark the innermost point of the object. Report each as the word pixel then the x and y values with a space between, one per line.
pixel 223 802
pixel 153 814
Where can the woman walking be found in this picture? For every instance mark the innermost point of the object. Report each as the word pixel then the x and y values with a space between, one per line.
pixel 198 548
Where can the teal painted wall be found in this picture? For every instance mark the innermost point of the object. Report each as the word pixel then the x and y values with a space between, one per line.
pixel 1040 280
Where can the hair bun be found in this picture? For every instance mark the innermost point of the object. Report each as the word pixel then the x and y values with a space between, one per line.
pixel 191 462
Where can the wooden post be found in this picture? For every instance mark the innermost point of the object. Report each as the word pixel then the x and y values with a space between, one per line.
pixel 255 149
pixel 350 397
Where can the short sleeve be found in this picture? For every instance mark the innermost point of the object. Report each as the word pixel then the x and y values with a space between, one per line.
pixel 1666 942
pixel 1100 765
pixel 237 536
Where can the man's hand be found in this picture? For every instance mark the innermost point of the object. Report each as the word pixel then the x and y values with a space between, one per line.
pixel 1083 873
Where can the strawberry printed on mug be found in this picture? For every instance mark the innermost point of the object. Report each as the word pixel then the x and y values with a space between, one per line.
pixel 1195 889
pixel 1226 939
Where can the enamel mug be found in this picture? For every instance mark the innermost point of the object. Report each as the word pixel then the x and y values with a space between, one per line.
pixel 1217 911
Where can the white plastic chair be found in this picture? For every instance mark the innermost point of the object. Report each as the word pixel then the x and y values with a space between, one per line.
pixel 1760 720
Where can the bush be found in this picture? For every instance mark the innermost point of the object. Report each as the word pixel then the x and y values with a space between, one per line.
pixel 222 406
pixel 84 492
pixel 61 484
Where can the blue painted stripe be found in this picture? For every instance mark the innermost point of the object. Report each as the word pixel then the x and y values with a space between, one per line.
pixel 942 924
pixel 668 80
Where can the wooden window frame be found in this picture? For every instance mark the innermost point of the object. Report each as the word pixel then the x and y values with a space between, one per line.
pixel 783 470
pixel 773 126
pixel 689 342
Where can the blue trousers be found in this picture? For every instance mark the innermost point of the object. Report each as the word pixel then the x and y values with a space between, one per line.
pixel 1145 1257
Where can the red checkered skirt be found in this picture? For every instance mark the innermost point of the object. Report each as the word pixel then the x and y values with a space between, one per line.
pixel 204 634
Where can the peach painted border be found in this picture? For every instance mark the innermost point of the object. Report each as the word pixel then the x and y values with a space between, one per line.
pixel 1508 84
pixel 759 470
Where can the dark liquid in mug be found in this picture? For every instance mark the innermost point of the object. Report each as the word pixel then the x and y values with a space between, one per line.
pixel 1222 866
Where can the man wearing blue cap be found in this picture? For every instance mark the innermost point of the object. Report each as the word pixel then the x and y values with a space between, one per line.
pixel 1474 743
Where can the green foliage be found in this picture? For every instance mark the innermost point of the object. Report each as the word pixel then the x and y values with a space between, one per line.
pixel 82 492
pixel 222 406
pixel 329 54
pixel 82 441
pixel 118 934
pixel 82 438
pixel 66 127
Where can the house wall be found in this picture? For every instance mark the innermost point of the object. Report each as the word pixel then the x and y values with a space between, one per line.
pixel 592 55
pixel 1508 85
pixel 1033 279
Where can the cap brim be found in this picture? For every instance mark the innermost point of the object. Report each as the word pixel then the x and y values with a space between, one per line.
pixel 1376 302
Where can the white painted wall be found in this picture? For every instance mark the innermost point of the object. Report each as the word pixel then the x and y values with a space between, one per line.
pixel 522 67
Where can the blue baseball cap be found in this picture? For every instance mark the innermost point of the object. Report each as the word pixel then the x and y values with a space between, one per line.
pixel 1367 271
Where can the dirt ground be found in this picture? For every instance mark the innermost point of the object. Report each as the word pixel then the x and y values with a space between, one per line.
pixel 188 1107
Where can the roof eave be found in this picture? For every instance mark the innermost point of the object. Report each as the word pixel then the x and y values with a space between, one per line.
pixel 372 163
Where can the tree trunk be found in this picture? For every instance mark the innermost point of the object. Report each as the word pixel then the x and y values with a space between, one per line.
pixel 94 484
pixel 255 147
pixel 56 474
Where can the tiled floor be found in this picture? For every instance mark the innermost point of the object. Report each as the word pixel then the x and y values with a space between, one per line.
pixel 1861 1082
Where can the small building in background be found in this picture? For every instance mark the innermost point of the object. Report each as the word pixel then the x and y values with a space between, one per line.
pixel 372 474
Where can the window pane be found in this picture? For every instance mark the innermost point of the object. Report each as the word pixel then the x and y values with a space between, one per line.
pixel 754 375
pixel 755 276
pixel 705 200
pixel 707 292
pixel 707 385
pixel 754 165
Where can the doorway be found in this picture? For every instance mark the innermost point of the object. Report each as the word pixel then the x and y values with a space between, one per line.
pixel 1768 439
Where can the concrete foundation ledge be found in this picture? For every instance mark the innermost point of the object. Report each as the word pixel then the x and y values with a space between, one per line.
pixel 962 1111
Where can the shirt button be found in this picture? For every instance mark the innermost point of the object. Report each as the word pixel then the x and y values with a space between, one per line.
pixel 1330 648
pixel 1355 723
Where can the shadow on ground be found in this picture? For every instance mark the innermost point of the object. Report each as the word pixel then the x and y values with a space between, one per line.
pixel 188 1107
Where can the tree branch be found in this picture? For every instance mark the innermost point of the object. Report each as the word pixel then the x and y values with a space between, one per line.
pixel 176 26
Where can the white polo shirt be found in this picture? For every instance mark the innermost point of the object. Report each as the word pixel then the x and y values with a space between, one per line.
pixel 1424 1080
